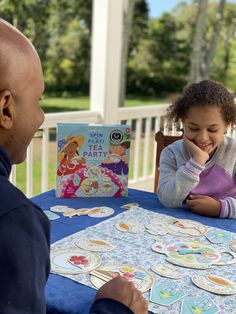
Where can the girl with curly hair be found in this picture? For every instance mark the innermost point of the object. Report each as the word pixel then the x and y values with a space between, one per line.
pixel 200 170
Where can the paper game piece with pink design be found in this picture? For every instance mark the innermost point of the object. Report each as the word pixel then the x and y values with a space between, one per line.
pixel 101 211
pixel 73 261
pixel 130 206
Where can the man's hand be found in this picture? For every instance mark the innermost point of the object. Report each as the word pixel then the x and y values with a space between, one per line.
pixel 196 152
pixel 204 205
pixel 124 291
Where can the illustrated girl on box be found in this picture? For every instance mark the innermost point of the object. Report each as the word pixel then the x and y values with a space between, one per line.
pixel 69 158
pixel 117 161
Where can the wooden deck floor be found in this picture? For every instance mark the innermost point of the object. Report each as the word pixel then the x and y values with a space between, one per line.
pixel 144 185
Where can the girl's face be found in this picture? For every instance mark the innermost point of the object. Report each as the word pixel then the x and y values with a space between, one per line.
pixel 205 127
pixel 71 149
pixel 117 150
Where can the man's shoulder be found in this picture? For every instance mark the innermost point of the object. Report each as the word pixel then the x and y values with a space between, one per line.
pixel 12 201
pixel 10 197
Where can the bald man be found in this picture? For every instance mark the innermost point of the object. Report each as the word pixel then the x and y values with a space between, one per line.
pixel 24 228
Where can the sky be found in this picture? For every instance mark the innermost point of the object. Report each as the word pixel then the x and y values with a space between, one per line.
pixel 157 7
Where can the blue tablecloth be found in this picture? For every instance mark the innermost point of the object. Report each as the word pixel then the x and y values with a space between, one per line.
pixel 66 296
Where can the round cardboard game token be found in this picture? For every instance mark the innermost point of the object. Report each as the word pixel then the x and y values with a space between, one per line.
pixel 96 245
pixel 185 227
pixel 232 245
pixel 83 211
pixel 215 284
pixel 227 258
pixel 130 205
pixel 166 270
pixel 187 265
pixel 73 261
pixel 76 212
pixel 99 212
pixel 159 247
pixel 60 208
pixel 156 228
pixel 192 255
pixel 71 213
pixel 130 226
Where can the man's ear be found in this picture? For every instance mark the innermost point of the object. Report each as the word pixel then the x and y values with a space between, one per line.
pixel 7 109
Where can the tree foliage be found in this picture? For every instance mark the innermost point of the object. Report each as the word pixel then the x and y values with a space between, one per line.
pixel 205 42
pixel 162 51
pixel 160 58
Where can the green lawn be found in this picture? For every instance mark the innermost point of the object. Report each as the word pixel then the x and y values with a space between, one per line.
pixel 59 104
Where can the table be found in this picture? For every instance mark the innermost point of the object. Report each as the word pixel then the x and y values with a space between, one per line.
pixel 66 296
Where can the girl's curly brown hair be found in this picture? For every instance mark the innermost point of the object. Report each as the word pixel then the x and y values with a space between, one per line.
pixel 204 93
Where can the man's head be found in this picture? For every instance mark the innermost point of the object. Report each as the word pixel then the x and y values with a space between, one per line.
pixel 21 87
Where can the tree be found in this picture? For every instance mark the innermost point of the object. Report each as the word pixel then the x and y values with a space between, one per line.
pixel 25 15
pixel 203 53
pixel 159 63
pixel 68 54
pixel 155 52
pixel 224 63
pixel 134 26
pixel 214 40
pixel 128 20
pixel 198 43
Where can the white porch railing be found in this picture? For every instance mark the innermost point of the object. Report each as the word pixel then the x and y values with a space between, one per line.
pixel 144 121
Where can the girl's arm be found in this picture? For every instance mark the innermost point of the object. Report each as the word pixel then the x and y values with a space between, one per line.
pixel 176 183
pixel 228 204
pixel 228 208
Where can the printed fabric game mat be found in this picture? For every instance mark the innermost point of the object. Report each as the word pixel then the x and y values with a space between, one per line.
pixel 180 265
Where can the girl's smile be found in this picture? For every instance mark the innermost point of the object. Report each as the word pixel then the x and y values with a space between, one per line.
pixel 205 127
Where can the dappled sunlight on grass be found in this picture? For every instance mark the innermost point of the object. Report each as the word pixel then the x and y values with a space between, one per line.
pixel 60 104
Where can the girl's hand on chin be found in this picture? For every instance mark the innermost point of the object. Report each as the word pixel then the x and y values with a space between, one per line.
pixel 197 153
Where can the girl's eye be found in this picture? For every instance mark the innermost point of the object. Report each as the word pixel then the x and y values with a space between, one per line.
pixel 193 130
pixel 212 131
pixel 209 130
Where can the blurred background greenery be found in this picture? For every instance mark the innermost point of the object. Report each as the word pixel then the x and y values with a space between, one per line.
pixel 195 40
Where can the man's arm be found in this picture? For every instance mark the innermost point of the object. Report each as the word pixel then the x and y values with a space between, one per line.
pixel 119 296
pixel 24 261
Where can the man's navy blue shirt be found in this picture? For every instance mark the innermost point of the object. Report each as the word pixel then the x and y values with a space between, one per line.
pixel 25 251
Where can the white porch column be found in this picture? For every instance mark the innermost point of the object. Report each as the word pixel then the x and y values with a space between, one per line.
pixel 106 54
